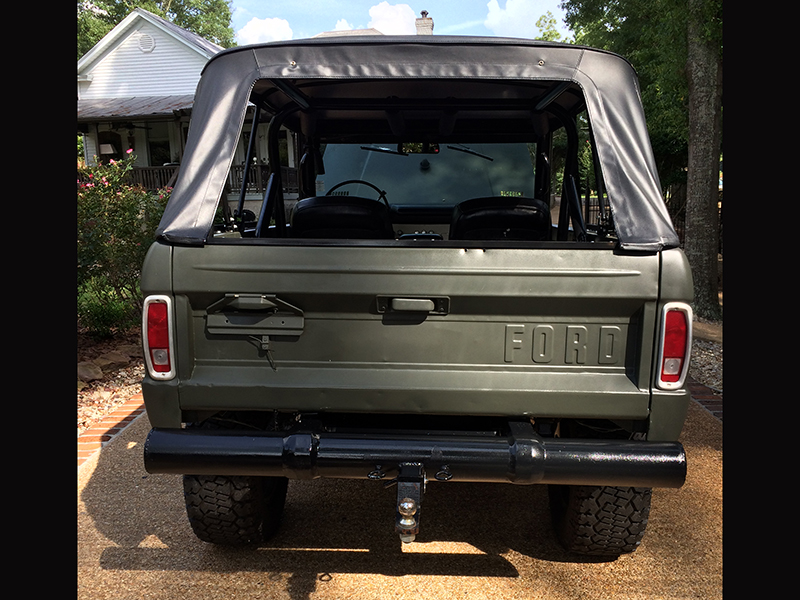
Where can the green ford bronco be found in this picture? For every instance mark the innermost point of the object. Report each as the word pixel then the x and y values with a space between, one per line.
pixel 414 260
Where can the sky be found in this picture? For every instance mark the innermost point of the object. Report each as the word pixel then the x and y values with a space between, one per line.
pixel 256 21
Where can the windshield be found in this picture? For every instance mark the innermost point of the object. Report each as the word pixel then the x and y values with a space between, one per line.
pixel 429 174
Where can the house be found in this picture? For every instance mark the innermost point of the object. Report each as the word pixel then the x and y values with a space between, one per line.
pixel 135 92
pixel 136 88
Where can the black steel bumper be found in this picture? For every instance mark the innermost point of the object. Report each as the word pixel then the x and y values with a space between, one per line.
pixel 521 458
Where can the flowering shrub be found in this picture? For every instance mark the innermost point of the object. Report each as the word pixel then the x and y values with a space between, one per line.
pixel 116 225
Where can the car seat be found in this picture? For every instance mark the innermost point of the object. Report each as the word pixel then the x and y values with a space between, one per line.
pixel 341 217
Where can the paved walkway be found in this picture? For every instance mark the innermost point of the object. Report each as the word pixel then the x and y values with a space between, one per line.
pixel 92 440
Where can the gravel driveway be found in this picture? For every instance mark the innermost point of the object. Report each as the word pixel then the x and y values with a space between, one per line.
pixel 338 540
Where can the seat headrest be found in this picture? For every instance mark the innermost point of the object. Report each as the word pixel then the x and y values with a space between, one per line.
pixel 341 217
pixel 501 218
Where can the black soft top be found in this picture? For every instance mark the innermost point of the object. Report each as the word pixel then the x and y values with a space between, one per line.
pixel 348 88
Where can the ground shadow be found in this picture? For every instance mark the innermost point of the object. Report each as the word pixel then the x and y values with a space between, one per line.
pixel 138 523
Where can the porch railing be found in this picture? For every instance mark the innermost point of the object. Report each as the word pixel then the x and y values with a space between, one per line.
pixel 258 177
pixel 154 178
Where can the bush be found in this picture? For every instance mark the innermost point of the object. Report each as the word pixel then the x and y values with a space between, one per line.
pixel 101 312
pixel 116 225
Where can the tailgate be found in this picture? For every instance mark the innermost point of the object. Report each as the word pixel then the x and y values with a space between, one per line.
pixel 404 329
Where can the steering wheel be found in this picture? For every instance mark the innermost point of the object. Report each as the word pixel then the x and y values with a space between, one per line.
pixel 381 193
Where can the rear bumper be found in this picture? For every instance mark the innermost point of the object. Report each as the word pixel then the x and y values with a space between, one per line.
pixel 521 458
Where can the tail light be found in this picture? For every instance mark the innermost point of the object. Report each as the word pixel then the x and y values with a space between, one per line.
pixel 157 337
pixel 675 344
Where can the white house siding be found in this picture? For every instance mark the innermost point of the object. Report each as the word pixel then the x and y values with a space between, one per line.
pixel 171 68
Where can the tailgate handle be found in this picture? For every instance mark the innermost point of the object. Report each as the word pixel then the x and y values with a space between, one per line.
pixel 413 304
pixel 437 305
pixel 254 314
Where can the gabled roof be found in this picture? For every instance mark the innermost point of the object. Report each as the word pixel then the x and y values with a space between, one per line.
pixel 195 42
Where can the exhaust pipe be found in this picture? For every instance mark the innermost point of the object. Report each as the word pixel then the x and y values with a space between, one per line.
pixel 521 458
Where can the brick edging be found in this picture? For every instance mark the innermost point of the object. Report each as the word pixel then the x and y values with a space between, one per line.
pixel 706 397
pixel 102 432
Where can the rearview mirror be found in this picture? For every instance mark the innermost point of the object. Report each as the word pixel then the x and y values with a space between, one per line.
pixel 418 148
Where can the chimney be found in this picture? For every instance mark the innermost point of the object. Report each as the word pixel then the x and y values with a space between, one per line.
pixel 425 24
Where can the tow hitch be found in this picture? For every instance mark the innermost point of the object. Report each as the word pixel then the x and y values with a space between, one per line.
pixel 410 487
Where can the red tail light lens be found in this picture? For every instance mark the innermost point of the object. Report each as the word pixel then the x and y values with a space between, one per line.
pixel 157 329
pixel 675 345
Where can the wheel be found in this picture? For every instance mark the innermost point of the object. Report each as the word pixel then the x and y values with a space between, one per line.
pixel 234 511
pixel 381 193
pixel 599 520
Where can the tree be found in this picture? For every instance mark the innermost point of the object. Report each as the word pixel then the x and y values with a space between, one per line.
pixel 92 26
pixel 210 19
pixel 704 75
pixel 546 24
pixel 676 47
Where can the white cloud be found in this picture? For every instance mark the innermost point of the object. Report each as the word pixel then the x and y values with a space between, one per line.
pixel 343 25
pixel 398 19
pixel 517 19
pixel 264 30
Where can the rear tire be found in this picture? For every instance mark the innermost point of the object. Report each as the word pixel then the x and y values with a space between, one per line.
pixel 599 520
pixel 234 511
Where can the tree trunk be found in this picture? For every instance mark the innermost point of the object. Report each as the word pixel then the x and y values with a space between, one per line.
pixel 704 73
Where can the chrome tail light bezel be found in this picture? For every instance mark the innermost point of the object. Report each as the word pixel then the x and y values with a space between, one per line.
pixel 152 370
pixel 686 310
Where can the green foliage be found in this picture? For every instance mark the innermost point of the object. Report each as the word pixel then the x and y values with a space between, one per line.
pixel 651 34
pixel 547 26
pixel 116 225
pixel 91 28
pixel 100 311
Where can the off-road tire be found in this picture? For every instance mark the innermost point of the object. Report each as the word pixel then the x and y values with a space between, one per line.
pixel 599 520
pixel 234 511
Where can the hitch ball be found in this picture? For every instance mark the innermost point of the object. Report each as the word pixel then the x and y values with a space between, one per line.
pixel 407 508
